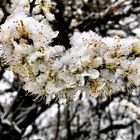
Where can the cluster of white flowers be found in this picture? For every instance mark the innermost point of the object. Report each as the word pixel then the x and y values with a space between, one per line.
pixel 93 64
pixel 40 8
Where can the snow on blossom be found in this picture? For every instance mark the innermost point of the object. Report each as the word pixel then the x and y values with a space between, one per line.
pixel 94 64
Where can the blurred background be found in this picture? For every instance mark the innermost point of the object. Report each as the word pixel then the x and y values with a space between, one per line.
pixel 104 118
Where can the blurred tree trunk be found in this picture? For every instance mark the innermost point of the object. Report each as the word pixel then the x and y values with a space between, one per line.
pixel 22 113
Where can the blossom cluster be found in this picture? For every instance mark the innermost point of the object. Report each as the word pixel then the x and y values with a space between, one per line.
pixel 95 64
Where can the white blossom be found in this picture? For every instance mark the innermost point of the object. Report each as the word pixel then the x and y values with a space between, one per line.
pixel 95 64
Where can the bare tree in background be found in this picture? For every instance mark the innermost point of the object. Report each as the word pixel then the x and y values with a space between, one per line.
pixel 103 118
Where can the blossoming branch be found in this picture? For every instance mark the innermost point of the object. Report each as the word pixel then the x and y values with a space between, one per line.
pixel 94 64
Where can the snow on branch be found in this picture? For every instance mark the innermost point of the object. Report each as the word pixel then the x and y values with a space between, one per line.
pixel 132 110
pixel 95 64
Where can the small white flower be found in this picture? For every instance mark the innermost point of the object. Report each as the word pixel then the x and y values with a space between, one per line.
pixel 136 46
